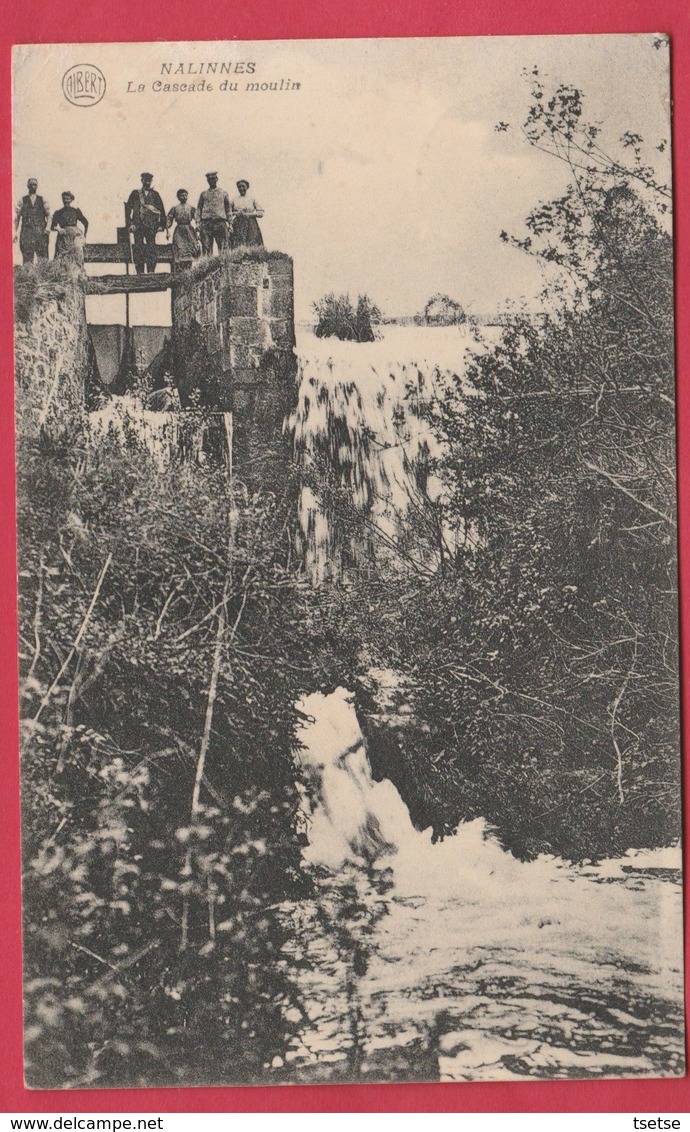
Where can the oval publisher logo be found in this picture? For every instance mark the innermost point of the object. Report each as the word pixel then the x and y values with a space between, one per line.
pixel 83 84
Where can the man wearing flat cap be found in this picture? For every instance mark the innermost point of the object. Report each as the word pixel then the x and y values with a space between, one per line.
pixel 145 216
pixel 32 214
pixel 245 215
pixel 213 214
pixel 70 237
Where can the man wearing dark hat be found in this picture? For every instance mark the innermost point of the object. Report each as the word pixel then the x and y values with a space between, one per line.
pixel 66 221
pixel 213 214
pixel 245 214
pixel 32 213
pixel 145 216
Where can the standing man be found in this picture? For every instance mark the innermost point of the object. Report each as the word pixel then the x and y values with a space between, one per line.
pixel 144 217
pixel 32 213
pixel 213 214
pixel 70 239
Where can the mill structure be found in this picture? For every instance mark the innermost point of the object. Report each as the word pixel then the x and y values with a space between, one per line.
pixel 230 348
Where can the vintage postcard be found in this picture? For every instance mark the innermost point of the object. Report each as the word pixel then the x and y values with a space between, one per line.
pixel 347 561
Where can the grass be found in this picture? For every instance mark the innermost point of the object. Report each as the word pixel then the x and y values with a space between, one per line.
pixel 205 265
pixel 41 282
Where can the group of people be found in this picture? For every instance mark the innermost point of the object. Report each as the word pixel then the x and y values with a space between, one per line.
pixel 31 218
pixel 219 221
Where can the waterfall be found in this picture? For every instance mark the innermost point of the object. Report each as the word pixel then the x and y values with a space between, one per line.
pixel 346 814
pixel 358 428
pixel 454 959
pixel 123 418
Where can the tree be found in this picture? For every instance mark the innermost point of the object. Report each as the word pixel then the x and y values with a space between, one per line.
pixel 441 310
pixel 540 662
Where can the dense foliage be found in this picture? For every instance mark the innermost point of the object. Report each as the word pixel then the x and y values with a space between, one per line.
pixel 164 640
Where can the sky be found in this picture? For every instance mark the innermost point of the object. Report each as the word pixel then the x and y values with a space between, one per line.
pixel 382 173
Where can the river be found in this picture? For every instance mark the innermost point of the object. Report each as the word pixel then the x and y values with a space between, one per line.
pixel 455 961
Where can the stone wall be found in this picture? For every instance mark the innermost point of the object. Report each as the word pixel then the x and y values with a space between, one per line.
pixel 54 363
pixel 233 340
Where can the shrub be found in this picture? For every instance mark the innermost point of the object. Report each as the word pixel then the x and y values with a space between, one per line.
pixel 337 318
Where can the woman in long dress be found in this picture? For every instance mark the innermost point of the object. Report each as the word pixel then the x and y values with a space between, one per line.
pixel 70 237
pixel 244 212
pixel 185 239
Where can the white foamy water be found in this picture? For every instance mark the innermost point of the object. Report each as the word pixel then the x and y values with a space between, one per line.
pixel 165 435
pixel 123 420
pixel 356 419
pixel 456 961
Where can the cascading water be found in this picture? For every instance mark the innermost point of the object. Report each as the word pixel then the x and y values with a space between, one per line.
pixel 357 425
pixel 123 418
pixel 456 961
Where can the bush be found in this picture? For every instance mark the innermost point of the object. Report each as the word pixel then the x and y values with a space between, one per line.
pixel 43 282
pixel 337 318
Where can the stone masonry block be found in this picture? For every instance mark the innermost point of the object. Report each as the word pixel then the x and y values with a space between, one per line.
pixel 242 400
pixel 246 378
pixel 240 356
pixel 235 331
pixel 248 331
pixel 279 267
pixel 279 303
pixel 222 396
pixel 240 302
pixel 213 342
pixel 248 274
pixel 282 333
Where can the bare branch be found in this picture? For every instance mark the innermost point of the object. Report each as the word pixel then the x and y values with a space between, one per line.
pixel 77 639
pixel 626 491
pixel 203 751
